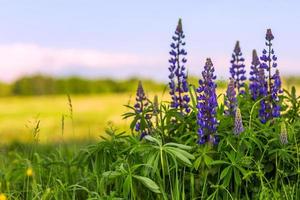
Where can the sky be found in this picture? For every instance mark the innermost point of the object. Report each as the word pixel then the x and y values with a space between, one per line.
pixel 121 39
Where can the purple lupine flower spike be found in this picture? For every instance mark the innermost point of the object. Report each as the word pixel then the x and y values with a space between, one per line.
pixel 237 69
pixel 238 122
pixel 178 76
pixel 230 99
pixel 269 35
pixel 270 107
pixel 207 105
pixel 140 98
pixel 254 76
pixel 140 105
pixel 275 91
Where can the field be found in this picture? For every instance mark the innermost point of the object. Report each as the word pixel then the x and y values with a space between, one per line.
pixel 91 114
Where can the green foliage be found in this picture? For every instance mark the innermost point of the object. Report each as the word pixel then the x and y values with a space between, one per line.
pixel 167 163
pixel 46 85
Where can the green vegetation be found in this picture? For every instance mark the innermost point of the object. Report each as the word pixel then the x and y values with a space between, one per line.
pixel 55 147
pixel 45 85
pixel 169 164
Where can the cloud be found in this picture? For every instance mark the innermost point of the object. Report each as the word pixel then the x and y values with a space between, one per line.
pixel 21 59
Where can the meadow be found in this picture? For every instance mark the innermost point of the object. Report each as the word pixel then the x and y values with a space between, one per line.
pixel 193 140
pixel 89 116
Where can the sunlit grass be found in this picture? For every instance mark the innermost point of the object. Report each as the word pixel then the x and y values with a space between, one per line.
pixel 91 114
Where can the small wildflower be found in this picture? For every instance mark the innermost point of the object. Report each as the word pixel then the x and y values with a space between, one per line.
pixel 283 134
pixel 3 196
pixel 140 106
pixel 140 98
pixel 238 122
pixel 29 172
pixel 230 99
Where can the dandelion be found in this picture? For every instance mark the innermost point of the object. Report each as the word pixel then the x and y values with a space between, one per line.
pixel 207 105
pixel 178 76
pixel 237 69
pixel 283 134
pixel 238 122
pixel 230 99
pixel 29 172
pixel 3 196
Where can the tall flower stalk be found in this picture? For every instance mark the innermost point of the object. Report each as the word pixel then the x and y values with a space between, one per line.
pixel 237 69
pixel 270 107
pixel 178 76
pixel 254 79
pixel 230 99
pixel 207 105
pixel 140 106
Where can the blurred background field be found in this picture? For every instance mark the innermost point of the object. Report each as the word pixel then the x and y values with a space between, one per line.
pixel 95 104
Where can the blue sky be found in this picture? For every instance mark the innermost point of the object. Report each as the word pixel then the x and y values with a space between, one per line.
pixel 131 38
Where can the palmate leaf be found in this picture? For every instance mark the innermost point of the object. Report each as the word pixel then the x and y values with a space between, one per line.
pixel 111 174
pixel 207 159
pixel 219 162
pixel 150 184
pixel 237 176
pixel 152 139
pixel 127 186
pixel 181 146
pixel 227 178
pixel 181 156
pixel 183 152
pixel 225 172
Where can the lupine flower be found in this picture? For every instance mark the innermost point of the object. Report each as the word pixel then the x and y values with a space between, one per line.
pixel 283 134
pixel 178 76
pixel 238 122
pixel 237 69
pixel 270 107
pixel 254 85
pixel 275 90
pixel 141 99
pixel 230 99
pixel 140 105
pixel 207 105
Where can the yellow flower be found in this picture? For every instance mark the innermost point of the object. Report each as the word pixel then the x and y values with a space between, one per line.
pixel 29 172
pixel 3 197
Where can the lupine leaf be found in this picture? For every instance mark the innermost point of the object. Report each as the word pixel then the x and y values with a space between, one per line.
pixel 150 184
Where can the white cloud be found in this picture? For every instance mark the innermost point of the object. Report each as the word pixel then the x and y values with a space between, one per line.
pixel 19 59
